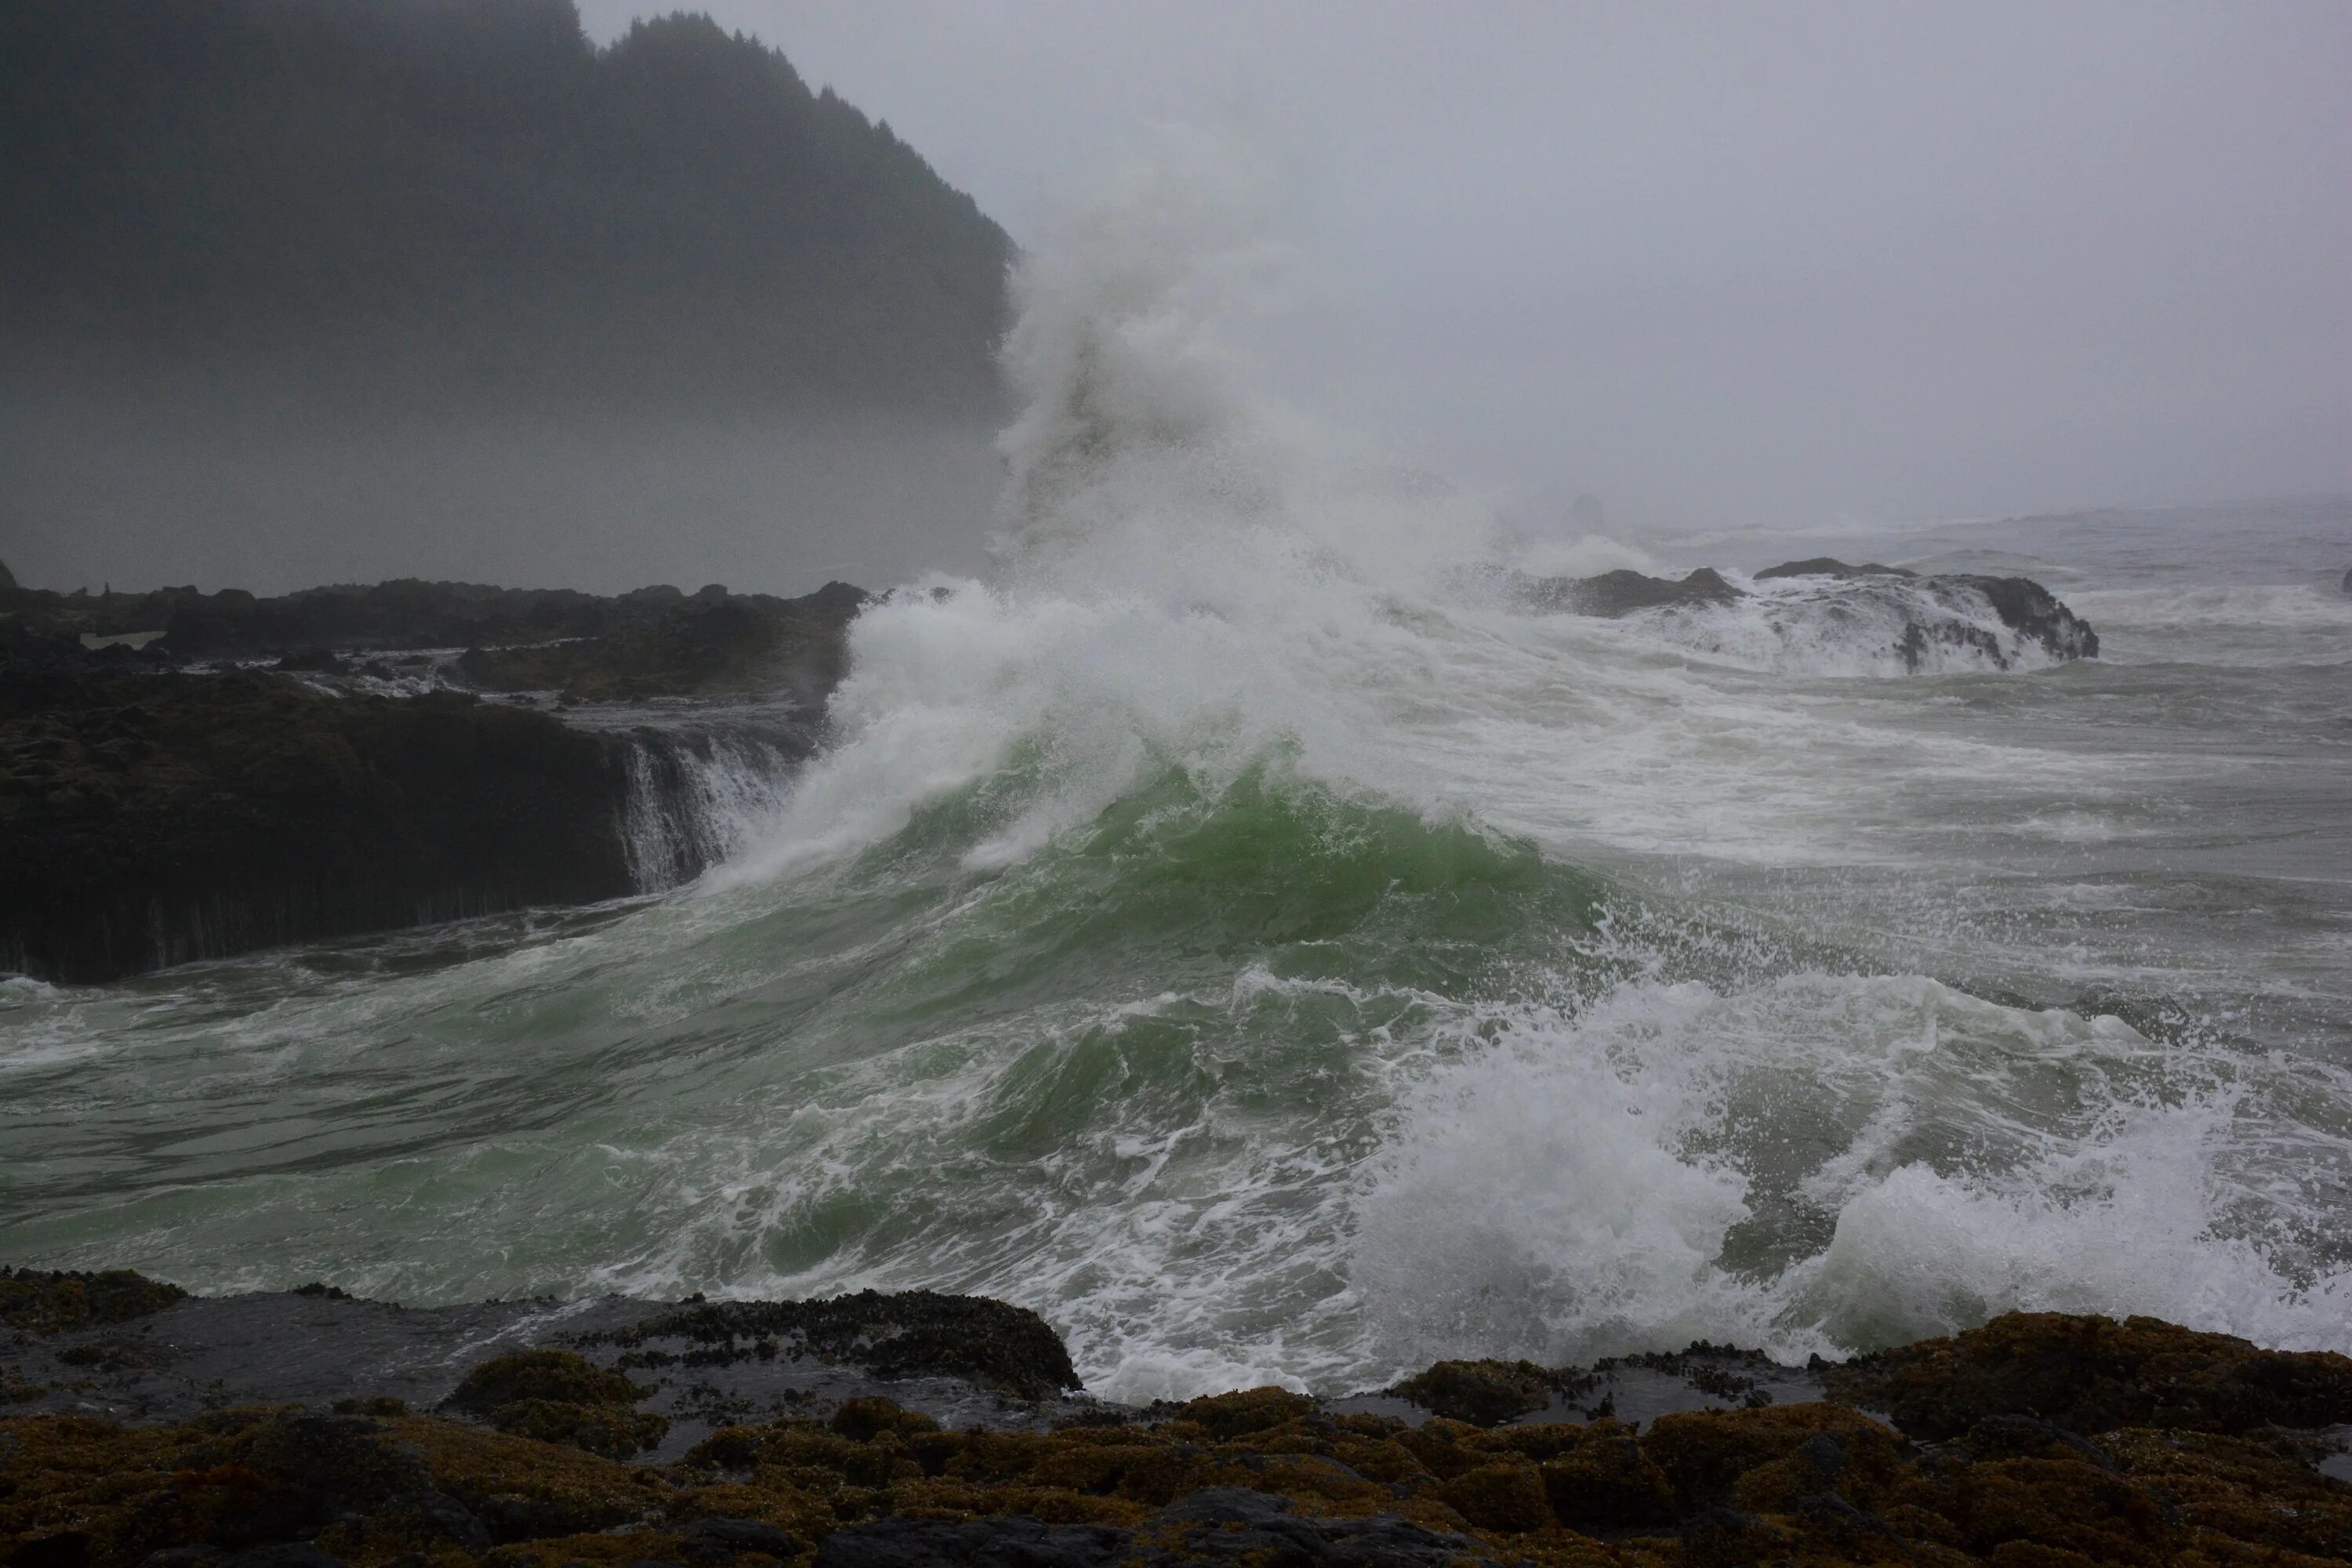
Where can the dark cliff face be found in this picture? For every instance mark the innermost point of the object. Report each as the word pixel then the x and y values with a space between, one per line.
pixel 152 814
pixel 152 819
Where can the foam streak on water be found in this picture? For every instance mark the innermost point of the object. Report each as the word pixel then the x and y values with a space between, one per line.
pixel 1221 933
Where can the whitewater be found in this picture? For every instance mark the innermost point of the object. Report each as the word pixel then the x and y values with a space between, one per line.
pixel 1230 932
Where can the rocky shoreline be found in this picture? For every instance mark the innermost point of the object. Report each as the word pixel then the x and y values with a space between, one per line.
pixel 186 775
pixel 305 1428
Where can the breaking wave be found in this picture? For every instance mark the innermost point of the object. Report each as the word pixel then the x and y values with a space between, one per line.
pixel 1218 934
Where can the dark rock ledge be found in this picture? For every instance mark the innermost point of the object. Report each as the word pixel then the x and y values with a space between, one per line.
pixel 305 1429
pixel 272 771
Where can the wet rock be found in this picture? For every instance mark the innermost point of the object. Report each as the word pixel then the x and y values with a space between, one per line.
pixel 196 1556
pixel 51 1301
pixel 1508 1497
pixel 1606 1481
pixel 1483 1393
pixel 1618 593
pixel 148 820
pixel 999 1543
pixel 285 1554
pixel 863 1420
pixel 1231 1525
pixel 557 1377
pixel 713 642
pixel 2027 607
pixel 1222 1417
pixel 2091 1375
pixel 718 1540
pixel 438 1516
pixel 1261 1476
pixel 908 1334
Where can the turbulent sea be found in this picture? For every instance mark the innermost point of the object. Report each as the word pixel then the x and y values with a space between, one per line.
pixel 1228 932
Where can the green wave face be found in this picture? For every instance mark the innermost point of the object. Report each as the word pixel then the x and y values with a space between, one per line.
pixel 1160 1045
pixel 1239 1081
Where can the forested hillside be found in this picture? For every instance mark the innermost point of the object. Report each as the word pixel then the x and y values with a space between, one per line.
pixel 466 195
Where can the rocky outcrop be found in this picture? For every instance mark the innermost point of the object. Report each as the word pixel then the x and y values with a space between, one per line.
pixel 1612 594
pixel 653 642
pixel 712 643
pixel 154 810
pixel 150 819
pixel 2095 1374
pixel 2034 1439
pixel 2023 606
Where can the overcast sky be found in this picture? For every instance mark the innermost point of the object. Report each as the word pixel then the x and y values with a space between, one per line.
pixel 1735 263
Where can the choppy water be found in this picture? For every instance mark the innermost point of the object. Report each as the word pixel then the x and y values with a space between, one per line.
pixel 1270 964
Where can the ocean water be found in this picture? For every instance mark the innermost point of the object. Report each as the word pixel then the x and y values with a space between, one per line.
pixel 1224 932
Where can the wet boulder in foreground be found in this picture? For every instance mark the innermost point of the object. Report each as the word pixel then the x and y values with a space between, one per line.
pixel 2093 1374
pixel 2073 1440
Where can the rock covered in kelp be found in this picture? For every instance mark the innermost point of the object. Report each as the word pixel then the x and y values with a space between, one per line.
pixel 908 1334
pixel 1256 1476
pixel 1483 1393
pixel 1813 1483
pixel 561 1397
pixel 54 1301
pixel 2093 1374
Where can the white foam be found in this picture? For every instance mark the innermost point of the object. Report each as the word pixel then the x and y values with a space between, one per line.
pixel 1576 1190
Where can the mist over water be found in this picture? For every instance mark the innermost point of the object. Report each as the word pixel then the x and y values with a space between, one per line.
pixel 153 476
pixel 1227 929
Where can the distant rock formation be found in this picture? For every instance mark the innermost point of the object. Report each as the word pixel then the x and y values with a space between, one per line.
pixel 1618 592
pixel 1877 614
pixel 2023 606
pixel 1828 566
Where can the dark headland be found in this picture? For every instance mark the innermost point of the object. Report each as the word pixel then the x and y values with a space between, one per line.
pixel 309 1428
pixel 188 775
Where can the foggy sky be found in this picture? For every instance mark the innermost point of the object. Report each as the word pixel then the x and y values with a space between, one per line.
pixel 1729 264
